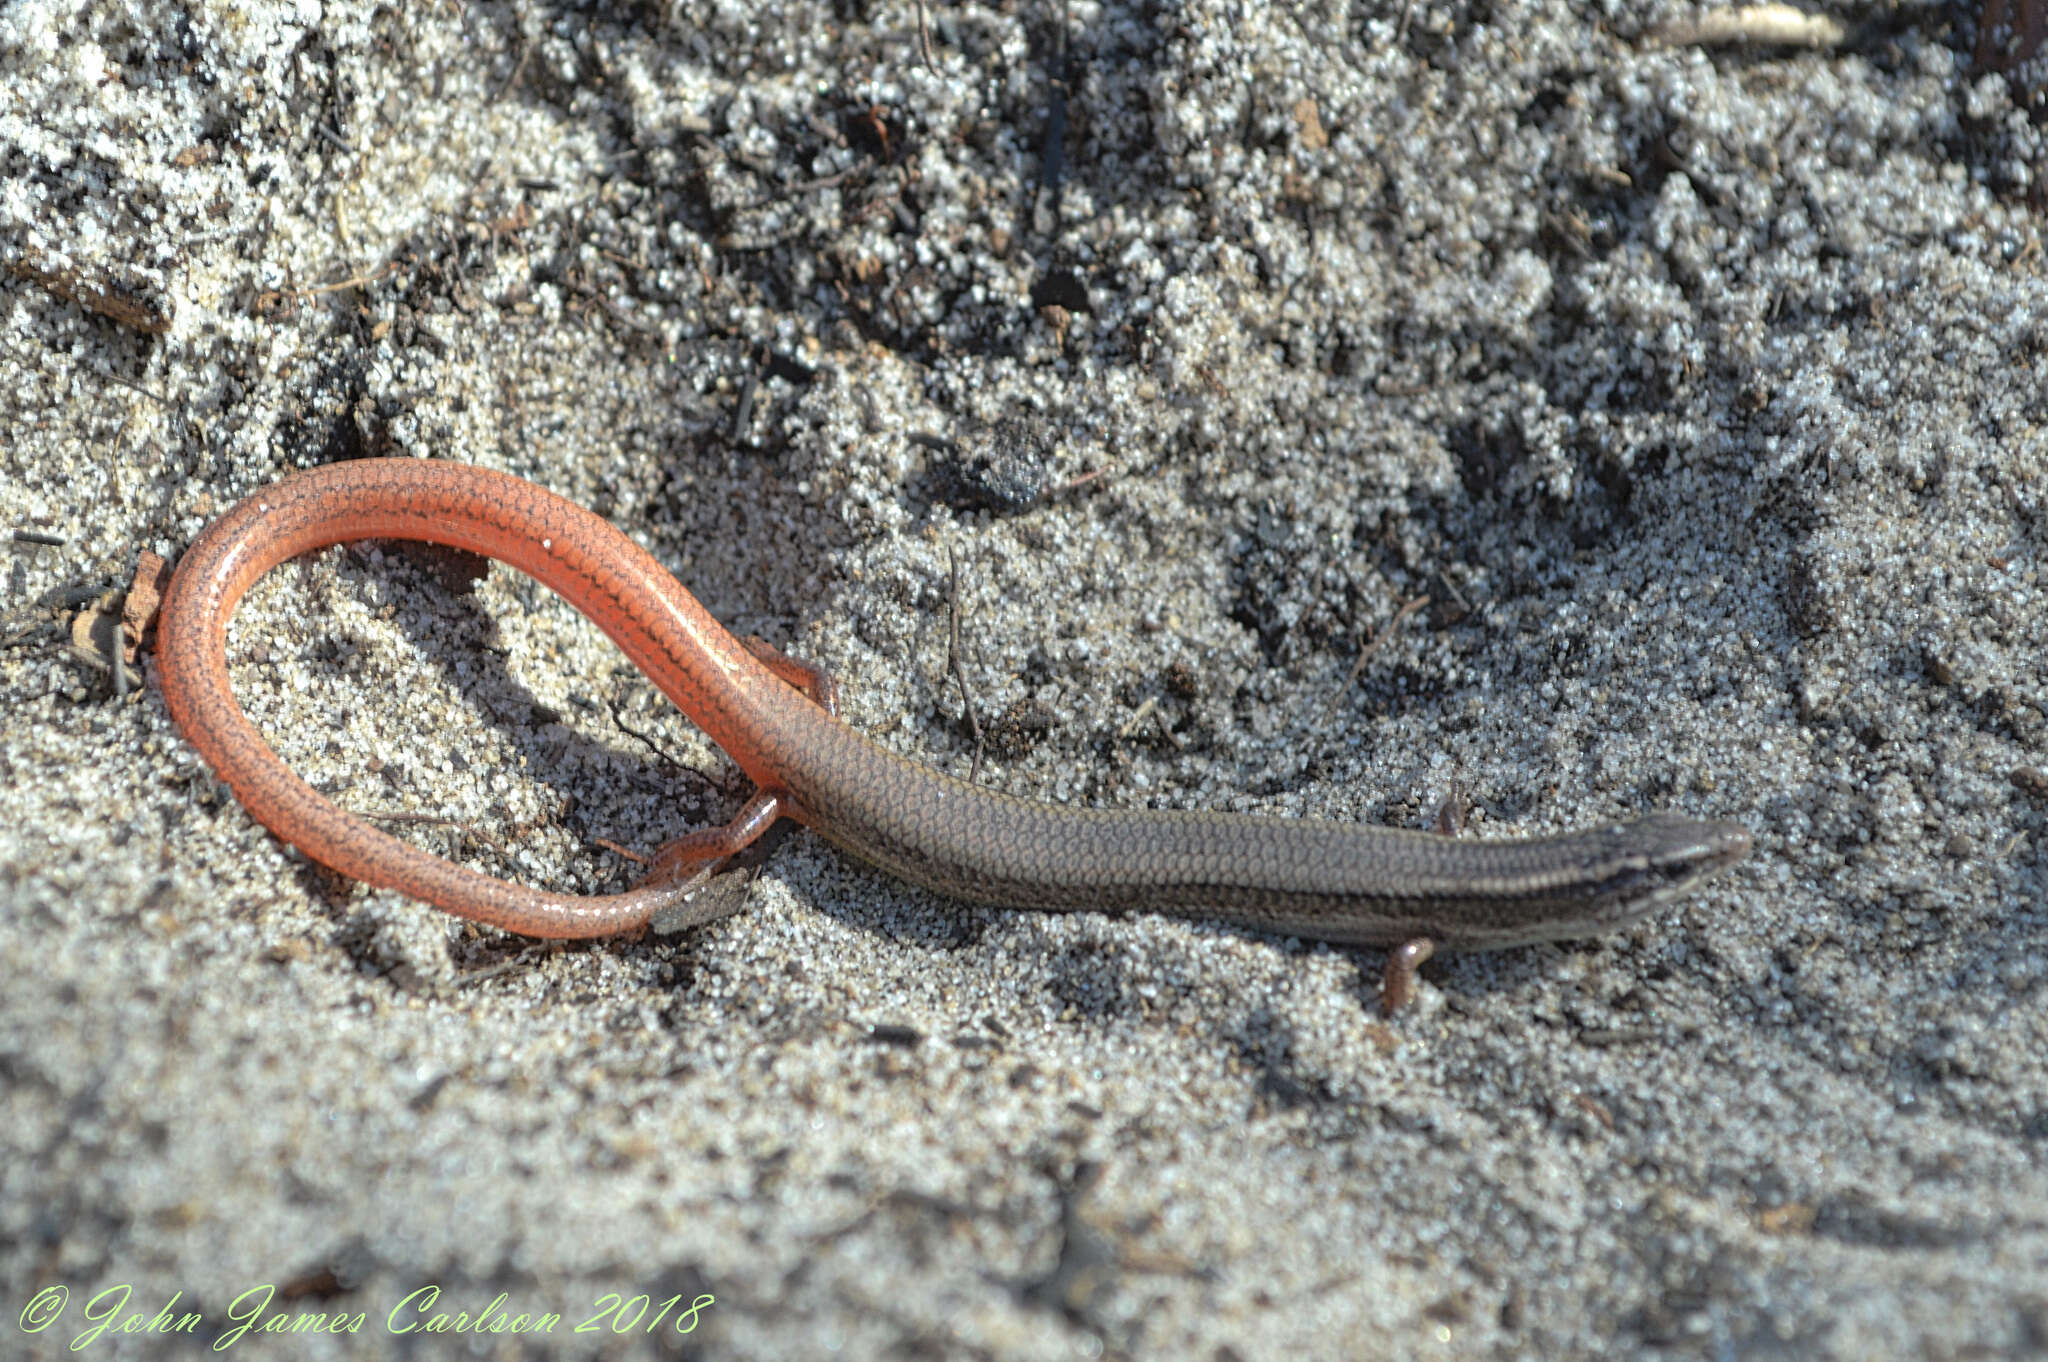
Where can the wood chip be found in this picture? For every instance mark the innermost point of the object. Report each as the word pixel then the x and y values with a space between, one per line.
pixel 145 597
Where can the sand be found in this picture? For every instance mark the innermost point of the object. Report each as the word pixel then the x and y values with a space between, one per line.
pixel 1701 392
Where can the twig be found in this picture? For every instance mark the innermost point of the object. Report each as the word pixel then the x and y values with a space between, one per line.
pixel 609 845
pixel 382 272
pixel 21 636
pixel 835 179
pixel 958 667
pixel 477 976
pixel 1142 713
pixel 603 303
pixel 647 741
pixel 1386 632
pixel 745 409
pixel 124 300
pixel 1052 154
pixel 1456 594
pixel 270 298
pixel 159 398
pixel 518 69
pixel 1770 25
pixel 442 820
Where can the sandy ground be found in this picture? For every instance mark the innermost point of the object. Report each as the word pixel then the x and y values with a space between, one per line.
pixel 1703 393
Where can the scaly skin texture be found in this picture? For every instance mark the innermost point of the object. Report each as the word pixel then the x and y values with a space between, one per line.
pixel 1332 881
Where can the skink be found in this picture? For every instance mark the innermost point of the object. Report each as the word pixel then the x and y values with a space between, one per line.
pixel 777 719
